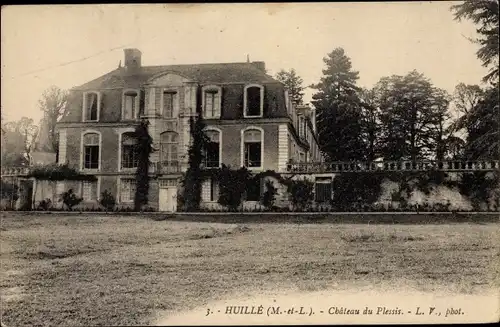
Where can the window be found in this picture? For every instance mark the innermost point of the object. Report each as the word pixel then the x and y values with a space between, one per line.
pixel 252 148
pixel 89 190
pixel 253 101
pixel 91 151
pixel 323 189
pixel 169 151
pixel 127 190
pixel 212 154
pixel 211 101
pixel 130 104
pixel 169 104
pixel 129 157
pixel 90 106
pixel 210 190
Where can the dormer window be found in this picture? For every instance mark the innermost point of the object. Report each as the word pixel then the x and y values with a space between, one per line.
pixel 130 104
pixel 91 106
pixel 211 101
pixel 253 101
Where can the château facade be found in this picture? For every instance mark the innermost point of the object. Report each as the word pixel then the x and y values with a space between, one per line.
pixel 249 117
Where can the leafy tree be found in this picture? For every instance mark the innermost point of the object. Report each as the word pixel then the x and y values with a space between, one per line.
pixel 53 105
pixel 411 110
pixel 338 109
pixel 483 126
pixel 191 195
pixel 294 84
pixel 370 124
pixel 144 149
pixel 17 141
pixel 12 147
pixel 483 13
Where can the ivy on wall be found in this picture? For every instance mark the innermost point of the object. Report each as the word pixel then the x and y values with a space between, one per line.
pixel 59 173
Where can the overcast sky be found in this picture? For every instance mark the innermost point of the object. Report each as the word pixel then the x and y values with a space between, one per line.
pixel 70 45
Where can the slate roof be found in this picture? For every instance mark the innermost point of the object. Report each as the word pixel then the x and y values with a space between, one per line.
pixel 221 73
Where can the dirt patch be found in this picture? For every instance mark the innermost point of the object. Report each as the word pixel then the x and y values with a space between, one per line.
pixel 212 232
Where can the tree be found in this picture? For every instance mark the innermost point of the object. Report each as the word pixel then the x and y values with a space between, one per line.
pixel 485 14
pixel 411 110
pixel 53 105
pixel 193 177
pixel 370 124
pixel 17 141
pixel 144 148
pixel 483 126
pixel 293 82
pixel 338 109
pixel 29 131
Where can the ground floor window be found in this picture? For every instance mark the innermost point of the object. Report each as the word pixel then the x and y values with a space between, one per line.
pixel 89 190
pixel 210 190
pixel 127 190
pixel 323 190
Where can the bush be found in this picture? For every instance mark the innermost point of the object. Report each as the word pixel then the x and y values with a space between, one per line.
pixel 301 193
pixel 44 205
pixel 232 186
pixel 107 200
pixel 269 196
pixel 70 199
pixel 355 188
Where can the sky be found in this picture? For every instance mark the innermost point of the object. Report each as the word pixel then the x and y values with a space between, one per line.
pixel 68 45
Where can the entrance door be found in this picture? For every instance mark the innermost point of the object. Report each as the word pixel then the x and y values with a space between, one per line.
pixel 168 199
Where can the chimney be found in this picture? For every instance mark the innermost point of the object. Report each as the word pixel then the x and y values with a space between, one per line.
pixel 132 58
pixel 260 65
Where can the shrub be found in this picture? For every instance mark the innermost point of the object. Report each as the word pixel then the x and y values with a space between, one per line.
pixel 352 188
pixel 107 200
pixel 232 186
pixel 301 193
pixel 70 199
pixel 269 196
pixel 44 205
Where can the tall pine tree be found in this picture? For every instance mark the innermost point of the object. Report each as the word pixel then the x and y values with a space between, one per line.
pixel 338 109
pixel 293 82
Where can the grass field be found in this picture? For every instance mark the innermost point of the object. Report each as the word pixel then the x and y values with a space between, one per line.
pixel 74 270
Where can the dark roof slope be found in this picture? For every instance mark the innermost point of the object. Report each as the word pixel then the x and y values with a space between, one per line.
pixel 203 73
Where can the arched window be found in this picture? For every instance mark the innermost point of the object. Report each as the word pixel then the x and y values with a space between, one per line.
pixel 254 100
pixel 169 151
pixel 91 106
pixel 91 151
pixel 130 158
pixel 212 154
pixel 252 148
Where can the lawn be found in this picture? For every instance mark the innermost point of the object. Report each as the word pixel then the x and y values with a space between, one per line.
pixel 123 270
